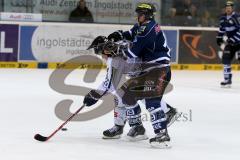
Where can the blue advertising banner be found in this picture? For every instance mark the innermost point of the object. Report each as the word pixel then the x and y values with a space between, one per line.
pixel 171 36
pixel 26 43
pixel 9 42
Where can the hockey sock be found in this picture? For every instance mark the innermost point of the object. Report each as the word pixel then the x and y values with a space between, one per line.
pixel 158 119
pixel 134 115
pixel 120 116
pixel 227 72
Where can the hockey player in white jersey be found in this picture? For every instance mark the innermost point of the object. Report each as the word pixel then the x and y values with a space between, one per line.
pixel 116 67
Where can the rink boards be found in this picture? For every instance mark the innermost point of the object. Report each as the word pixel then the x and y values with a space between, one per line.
pixel 48 45
pixel 32 65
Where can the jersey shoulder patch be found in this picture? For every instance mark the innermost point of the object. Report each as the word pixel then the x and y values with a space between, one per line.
pixel 141 30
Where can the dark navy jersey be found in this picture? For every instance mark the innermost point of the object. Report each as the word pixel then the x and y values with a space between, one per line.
pixel 230 26
pixel 148 43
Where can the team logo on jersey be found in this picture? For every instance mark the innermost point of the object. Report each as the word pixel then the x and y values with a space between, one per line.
pixel 130 112
pixel 153 117
pixel 106 83
pixel 141 30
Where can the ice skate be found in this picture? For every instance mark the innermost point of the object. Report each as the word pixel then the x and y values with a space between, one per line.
pixel 227 81
pixel 171 115
pixel 113 133
pixel 161 140
pixel 137 133
pixel 226 84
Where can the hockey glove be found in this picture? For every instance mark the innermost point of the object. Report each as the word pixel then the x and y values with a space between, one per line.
pixel 91 98
pixel 116 36
pixel 219 40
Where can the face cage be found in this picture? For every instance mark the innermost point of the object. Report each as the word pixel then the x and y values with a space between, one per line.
pixel 98 50
pixel 146 13
pixel 112 48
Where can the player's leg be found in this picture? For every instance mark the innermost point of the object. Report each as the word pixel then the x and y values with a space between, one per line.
pixel 148 85
pixel 227 57
pixel 238 55
pixel 237 51
pixel 170 112
pixel 137 131
pixel 119 121
pixel 156 108
pixel 159 123
pixel 133 111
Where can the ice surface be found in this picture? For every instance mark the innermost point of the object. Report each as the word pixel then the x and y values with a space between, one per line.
pixel 209 128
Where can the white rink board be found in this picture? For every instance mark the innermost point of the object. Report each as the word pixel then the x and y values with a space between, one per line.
pixel 59 42
pixel 27 108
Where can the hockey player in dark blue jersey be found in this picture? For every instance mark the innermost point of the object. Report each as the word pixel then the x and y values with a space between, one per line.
pixel 230 27
pixel 117 66
pixel 149 44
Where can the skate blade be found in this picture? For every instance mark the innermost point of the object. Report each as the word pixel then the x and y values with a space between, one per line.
pixel 162 145
pixel 114 137
pixel 226 86
pixel 137 138
pixel 172 120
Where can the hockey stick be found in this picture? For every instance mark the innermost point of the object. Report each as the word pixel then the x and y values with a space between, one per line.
pixel 43 139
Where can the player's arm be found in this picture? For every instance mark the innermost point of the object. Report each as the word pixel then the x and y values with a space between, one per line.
pixel 236 37
pixel 129 35
pixel 94 95
pixel 139 42
pixel 120 35
pixel 221 32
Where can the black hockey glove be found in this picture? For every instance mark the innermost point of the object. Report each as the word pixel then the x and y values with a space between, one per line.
pixel 91 98
pixel 116 36
pixel 219 40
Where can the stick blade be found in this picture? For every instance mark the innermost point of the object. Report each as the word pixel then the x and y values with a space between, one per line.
pixel 40 138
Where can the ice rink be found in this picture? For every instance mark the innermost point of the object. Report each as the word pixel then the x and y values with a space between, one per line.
pixel 207 129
